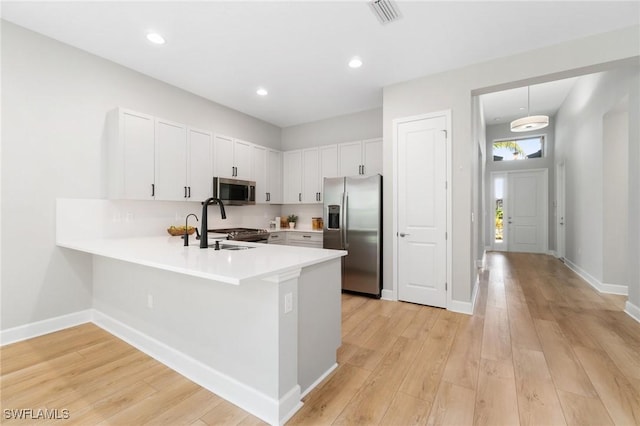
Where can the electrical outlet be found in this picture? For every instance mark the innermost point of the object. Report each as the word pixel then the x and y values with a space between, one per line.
pixel 149 301
pixel 288 303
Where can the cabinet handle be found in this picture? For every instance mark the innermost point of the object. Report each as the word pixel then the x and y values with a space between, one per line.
pixel 153 189
pixel 275 236
pixel 359 169
pixel 299 196
pixel 189 191
pixel 306 236
pixel 185 192
pixel 363 169
pixel 266 194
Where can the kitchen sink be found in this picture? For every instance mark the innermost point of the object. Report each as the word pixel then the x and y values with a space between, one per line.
pixel 231 247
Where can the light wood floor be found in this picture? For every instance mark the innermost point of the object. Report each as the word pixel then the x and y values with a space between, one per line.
pixel 542 348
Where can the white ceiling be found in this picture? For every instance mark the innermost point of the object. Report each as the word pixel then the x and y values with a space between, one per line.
pixel 508 105
pixel 299 50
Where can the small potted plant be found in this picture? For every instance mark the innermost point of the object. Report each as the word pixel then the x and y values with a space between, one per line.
pixel 292 219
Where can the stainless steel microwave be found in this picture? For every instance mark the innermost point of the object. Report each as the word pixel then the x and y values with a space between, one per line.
pixel 234 192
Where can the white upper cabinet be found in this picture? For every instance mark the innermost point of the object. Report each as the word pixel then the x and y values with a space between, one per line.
pixel 350 158
pixel 267 173
pixel 131 155
pixel 232 158
pixel 372 156
pixel 152 158
pixel 274 176
pixel 310 176
pixel 170 161
pixel 292 177
pixel 200 167
pixel 360 158
pixel 259 167
pixel 328 166
pixel 304 172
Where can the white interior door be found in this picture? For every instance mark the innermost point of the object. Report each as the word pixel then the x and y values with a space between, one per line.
pixel 526 211
pixel 422 211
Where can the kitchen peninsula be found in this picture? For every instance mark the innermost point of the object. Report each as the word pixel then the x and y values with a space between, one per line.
pixel 259 326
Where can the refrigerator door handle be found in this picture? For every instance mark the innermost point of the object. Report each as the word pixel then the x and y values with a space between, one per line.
pixel 345 203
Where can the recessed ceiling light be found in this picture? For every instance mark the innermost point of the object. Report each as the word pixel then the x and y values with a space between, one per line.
pixel 521 108
pixel 355 62
pixel 155 38
pixel 262 91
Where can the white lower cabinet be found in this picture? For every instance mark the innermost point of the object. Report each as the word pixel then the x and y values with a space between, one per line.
pixel 278 238
pixel 304 239
pixel 296 238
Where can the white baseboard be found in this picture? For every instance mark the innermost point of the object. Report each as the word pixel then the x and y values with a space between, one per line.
pixel 262 406
pixel 39 328
pixel 552 253
pixel 593 282
pixel 387 295
pixel 320 379
pixel 632 310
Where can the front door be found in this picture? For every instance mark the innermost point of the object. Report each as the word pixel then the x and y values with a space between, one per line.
pixel 527 211
pixel 422 210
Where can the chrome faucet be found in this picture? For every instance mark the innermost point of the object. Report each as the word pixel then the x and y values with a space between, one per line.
pixel 204 242
pixel 186 228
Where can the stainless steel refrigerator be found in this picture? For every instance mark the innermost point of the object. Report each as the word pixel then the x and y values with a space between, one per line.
pixel 353 222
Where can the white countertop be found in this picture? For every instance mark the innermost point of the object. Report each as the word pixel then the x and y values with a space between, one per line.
pixel 228 266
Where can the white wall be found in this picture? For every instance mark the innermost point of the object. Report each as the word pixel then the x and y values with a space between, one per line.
pixel 453 91
pixel 615 173
pixel 580 144
pixel 503 131
pixel 345 128
pixel 55 99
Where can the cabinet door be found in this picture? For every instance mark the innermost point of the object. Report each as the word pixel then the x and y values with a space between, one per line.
pixel 170 161
pixel 292 177
pixel 132 157
pixel 200 168
pixel 349 158
pixel 223 157
pixel 372 156
pixel 310 175
pixel 328 165
pixel 242 159
pixel 259 167
pixel 274 176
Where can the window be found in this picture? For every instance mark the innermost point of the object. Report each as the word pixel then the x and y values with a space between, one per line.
pixel 518 149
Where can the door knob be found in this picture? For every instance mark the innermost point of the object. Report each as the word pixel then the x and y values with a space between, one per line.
pixel 402 234
pixel 509 222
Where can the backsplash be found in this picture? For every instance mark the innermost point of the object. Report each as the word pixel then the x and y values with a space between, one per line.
pixel 96 218
pixel 304 212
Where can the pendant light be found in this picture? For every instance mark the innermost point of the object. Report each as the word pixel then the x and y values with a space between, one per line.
pixel 530 122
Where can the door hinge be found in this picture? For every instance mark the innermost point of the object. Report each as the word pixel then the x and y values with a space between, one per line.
pixel 446 185
pixel 446 286
pixel 446 235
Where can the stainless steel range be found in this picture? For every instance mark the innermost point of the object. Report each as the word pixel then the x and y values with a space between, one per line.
pixel 253 235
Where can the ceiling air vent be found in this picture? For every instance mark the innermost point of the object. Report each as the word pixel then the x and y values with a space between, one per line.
pixel 385 10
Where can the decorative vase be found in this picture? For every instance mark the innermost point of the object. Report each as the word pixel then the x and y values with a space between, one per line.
pixel 292 225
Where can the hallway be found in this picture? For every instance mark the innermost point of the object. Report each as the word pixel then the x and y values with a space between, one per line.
pixel 543 348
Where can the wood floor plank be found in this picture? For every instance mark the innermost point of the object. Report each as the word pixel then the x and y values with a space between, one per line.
pixel 464 358
pixel 454 405
pixel 143 411
pixel 369 405
pixel 188 410
pixel 619 396
pixel 496 398
pixel 522 330
pixel 406 410
pixel 538 402
pixel 583 411
pixel 496 338
pixel 224 413
pixel 422 323
pixel 567 371
pixel 430 362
